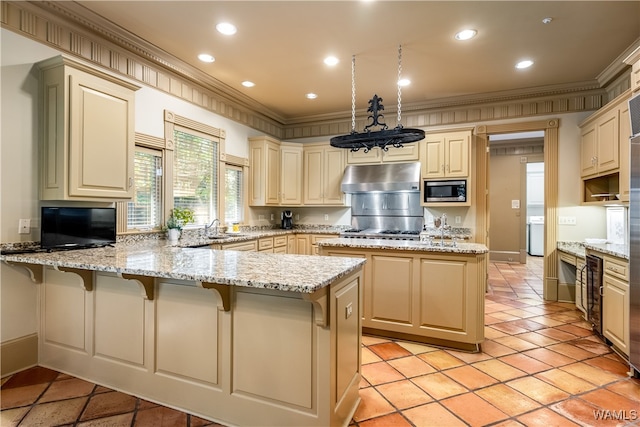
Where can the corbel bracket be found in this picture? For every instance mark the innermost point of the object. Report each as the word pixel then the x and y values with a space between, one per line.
pixel 320 306
pixel 147 283
pixel 224 291
pixel 35 270
pixel 85 275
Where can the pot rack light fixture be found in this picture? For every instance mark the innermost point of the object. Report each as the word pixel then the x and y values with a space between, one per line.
pixel 383 137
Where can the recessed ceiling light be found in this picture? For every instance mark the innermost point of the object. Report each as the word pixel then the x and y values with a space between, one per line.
pixel 226 28
pixel 404 82
pixel 247 83
pixel 547 20
pixel 466 34
pixel 205 57
pixel 331 60
pixel 311 96
pixel 524 64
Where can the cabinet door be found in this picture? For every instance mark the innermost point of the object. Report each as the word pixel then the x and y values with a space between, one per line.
pixel 408 153
pixel 607 142
pixel 356 157
pixel 388 300
pixel 290 175
pixel 588 151
pixel 443 296
pixel 272 153
pixel 457 155
pixel 432 159
pixel 615 312
pixel 334 159
pixel 313 176
pixel 303 244
pixel 291 245
pixel 625 147
pixel 101 146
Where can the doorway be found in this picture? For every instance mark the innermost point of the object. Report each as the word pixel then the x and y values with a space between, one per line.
pixel 516 196
pixel 483 221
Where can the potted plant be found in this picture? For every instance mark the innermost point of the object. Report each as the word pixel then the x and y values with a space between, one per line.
pixel 178 218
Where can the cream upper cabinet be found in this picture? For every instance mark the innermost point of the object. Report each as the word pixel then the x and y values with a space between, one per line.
pixel 600 145
pixel 264 171
pixel 290 174
pixel 275 171
pixel 407 153
pixel 323 170
pixel 445 155
pixel 87 150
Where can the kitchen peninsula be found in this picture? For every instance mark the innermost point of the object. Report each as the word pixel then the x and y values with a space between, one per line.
pixel 432 293
pixel 239 338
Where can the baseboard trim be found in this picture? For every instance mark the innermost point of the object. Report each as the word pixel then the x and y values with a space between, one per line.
pixel 18 354
pixel 505 256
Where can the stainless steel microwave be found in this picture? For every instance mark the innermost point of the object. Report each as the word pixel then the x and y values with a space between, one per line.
pixel 448 191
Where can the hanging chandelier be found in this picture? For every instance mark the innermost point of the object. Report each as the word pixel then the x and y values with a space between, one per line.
pixel 383 137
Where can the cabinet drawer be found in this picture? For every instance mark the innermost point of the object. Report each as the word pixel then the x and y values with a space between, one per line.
pixel 316 237
pixel 240 246
pixel 568 258
pixel 279 241
pixel 616 268
pixel 265 243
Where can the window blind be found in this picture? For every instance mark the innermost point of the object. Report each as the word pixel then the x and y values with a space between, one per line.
pixel 145 211
pixel 234 199
pixel 195 176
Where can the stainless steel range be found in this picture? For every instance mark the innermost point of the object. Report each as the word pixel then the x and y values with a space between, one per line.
pixel 385 201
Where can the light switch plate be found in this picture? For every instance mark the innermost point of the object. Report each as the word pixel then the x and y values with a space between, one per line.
pixel 24 226
pixel 515 204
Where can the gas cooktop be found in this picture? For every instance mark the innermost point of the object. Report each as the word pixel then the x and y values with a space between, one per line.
pixel 371 233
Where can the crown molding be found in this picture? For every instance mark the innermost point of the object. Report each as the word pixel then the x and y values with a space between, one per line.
pixel 76 31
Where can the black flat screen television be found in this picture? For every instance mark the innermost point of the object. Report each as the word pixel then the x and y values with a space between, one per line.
pixel 72 228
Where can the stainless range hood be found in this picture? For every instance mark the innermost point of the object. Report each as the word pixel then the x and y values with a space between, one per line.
pixel 386 177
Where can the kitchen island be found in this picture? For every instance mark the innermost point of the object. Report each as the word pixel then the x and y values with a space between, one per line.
pixel 412 290
pixel 238 338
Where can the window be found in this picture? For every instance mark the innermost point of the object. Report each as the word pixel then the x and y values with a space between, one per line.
pixel 233 194
pixel 195 174
pixel 145 211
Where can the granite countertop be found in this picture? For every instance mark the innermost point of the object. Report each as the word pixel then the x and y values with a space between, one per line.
pixel 404 245
pixel 191 240
pixel 293 273
pixel 579 249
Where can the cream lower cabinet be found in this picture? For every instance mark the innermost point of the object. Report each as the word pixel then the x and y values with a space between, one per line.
pixel 421 296
pixel 303 244
pixel 87 125
pixel 323 169
pixel 615 303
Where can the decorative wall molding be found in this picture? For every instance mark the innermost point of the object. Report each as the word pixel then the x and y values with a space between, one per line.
pixel 76 31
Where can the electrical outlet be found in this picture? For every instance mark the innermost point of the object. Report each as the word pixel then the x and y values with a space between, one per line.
pixel 297 217
pixel 272 217
pixel 326 217
pixel 567 220
pixel 458 219
pixel 24 226
pixel 348 310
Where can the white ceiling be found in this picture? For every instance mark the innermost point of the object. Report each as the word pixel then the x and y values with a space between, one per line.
pixel 280 45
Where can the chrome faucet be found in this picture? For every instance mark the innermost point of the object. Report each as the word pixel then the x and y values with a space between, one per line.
pixel 207 227
pixel 443 226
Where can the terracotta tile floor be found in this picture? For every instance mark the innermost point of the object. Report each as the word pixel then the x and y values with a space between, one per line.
pixel 540 365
